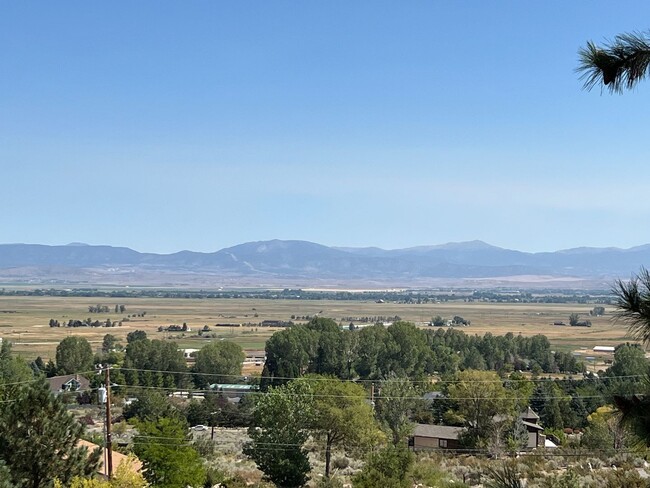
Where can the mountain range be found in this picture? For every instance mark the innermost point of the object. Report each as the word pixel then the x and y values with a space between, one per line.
pixel 292 262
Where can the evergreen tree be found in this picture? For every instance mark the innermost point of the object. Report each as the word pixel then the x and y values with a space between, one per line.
pixel 13 370
pixel 38 439
pixel 5 476
pixel 551 415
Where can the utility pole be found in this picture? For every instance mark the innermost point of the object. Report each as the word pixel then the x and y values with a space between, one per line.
pixel 109 440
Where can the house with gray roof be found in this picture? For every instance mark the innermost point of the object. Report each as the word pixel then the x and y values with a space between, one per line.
pixel 430 437
pixel 68 383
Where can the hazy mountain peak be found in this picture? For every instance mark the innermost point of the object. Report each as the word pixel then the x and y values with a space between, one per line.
pixel 311 262
pixel 475 245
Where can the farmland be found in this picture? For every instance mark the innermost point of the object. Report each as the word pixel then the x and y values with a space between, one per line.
pixel 24 320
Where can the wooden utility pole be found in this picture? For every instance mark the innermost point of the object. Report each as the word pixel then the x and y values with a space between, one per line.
pixel 109 440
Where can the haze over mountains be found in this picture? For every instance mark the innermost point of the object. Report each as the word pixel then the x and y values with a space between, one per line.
pixel 302 263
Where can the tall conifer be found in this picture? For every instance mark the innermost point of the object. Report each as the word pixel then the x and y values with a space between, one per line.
pixel 38 439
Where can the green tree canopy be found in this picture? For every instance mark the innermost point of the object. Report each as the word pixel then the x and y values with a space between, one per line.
pixel 387 468
pixel 282 419
pixel 5 476
pixel 330 349
pixel 110 343
pixel 136 335
pixel 13 370
pixel 629 360
pixel 218 362
pixel 38 439
pixel 74 355
pixel 168 459
pixel 343 416
pixel 396 401
pixel 155 363
pixel 288 355
pixel 150 405
pixel 480 396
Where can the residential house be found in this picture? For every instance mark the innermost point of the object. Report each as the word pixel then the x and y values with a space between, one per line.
pixel 68 383
pixel 429 437
pixel 535 436
pixel 233 392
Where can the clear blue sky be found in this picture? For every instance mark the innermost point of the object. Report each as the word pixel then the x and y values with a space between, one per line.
pixel 164 126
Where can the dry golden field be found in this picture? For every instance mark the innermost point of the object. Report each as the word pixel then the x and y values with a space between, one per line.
pixel 24 320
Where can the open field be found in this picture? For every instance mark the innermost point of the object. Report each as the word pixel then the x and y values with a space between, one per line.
pixel 24 320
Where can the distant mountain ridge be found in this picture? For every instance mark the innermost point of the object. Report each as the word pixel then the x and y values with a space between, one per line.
pixel 311 261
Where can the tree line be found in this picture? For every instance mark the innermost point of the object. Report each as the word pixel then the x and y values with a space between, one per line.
pixel 408 297
pixel 322 347
pixel 119 308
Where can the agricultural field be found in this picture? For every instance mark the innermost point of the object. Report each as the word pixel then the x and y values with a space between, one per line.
pixel 25 320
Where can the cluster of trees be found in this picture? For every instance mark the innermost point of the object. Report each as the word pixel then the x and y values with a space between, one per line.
pixel 322 347
pixel 439 321
pixel 174 328
pixel 85 323
pixel 146 363
pixel 333 412
pixel 160 363
pixel 597 311
pixel 574 321
pixel 105 309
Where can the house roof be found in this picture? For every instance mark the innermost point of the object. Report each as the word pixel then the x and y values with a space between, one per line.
pixel 433 395
pixel 529 413
pixel 437 431
pixel 118 458
pixel 532 426
pixel 56 382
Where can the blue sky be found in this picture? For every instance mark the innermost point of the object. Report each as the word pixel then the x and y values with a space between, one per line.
pixel 164 126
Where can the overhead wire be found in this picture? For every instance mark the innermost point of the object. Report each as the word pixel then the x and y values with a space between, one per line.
pixel 412 380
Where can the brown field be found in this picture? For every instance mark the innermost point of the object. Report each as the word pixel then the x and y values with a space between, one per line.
pixel 24 320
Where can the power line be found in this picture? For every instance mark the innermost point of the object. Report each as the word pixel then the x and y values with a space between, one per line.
pixel 191 391
pixel 412 380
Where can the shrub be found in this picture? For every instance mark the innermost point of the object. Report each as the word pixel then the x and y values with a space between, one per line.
pixel 427 472
pixel 506 475
pixel 341 462
pixel 331 482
